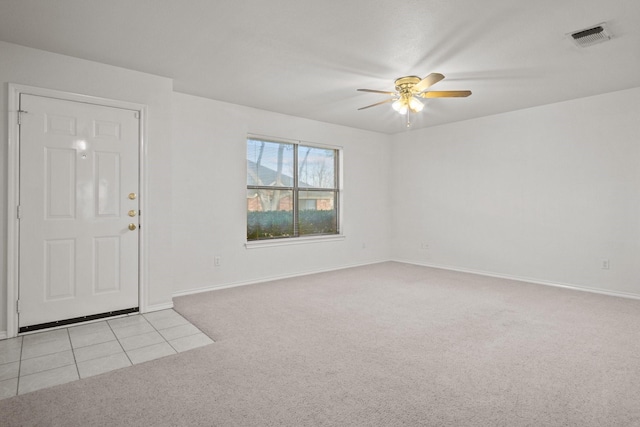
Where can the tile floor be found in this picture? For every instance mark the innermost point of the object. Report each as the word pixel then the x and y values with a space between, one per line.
pixel 44 359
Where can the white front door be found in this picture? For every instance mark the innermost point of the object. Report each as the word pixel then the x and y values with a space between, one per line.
pixel 79 205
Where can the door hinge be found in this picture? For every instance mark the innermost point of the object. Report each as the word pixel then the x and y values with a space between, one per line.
pixel 19 211
pixel 20 116
pixel 17 306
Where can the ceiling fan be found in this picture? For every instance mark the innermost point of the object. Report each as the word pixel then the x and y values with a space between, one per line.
pixel 409 89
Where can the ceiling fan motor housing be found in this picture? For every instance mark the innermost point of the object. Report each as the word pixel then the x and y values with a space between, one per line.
pixel 405 84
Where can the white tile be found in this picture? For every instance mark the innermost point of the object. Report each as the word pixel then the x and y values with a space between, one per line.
pixel 8 388
pixel 103 364
pixel 179 331
pixel 48 378
pixel 143 340
pixel 192 341
pixel 10 350
pixel 10 343
pixel 98 350
pixel 127 321
pixel 132 330
pixel 92 338
pixel 155 315
pixel 48 358
pixel 44 363
pixel 49 336
pixel 9 370
pixel 151 352
pixel 40 349
pixel 90 328
pixel 168 322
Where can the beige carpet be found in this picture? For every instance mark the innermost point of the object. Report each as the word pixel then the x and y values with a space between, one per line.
pixel 383 345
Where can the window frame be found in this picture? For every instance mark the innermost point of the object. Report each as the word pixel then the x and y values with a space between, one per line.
pixel 295 190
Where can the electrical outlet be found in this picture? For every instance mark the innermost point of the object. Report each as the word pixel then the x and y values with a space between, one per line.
pixel 604 264
pixel 216 261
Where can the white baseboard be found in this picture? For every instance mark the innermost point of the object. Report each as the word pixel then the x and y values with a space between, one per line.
pixel 526 279
pixel 3 335
pixel 208 288
pixel 158 307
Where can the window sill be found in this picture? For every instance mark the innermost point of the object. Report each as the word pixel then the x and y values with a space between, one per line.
pixel 255 244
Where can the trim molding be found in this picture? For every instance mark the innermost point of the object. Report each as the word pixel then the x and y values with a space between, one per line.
pixel 441 267
pixel 269 243
pixel 526 280
pixel 157 307
pixel 269 279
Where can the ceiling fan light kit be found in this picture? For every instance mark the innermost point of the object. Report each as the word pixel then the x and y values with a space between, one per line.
pixel 409 89
pixel 407 102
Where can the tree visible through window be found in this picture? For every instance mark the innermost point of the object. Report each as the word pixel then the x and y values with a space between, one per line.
pixel 292 190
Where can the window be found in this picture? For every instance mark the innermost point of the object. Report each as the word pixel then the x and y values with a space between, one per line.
pixel 292 190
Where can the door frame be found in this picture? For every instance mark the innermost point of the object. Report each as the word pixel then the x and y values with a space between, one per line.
pixel 13 190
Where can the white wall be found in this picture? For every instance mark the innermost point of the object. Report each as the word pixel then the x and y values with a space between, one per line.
pixel 545 193
pixel 37 68
pixel 209 187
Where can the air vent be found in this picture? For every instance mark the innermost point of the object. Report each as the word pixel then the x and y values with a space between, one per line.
pixel 591 36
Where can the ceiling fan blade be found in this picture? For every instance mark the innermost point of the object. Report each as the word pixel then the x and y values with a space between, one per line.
pixel 378 103
pixel 427 82
pixel 377 91
pixel 445 94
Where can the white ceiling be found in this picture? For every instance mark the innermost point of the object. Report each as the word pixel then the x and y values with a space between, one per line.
pixel 307 58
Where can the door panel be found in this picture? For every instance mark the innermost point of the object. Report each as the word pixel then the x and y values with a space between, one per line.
pixel 60 185
pixel 107 184
pixel 106 251
pixel 78 164
pixel 60 269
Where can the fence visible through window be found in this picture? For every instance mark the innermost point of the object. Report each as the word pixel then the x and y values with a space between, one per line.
pixel 292 190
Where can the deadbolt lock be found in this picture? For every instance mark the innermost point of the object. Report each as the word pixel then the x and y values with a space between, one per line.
pixel 132 213
pixel 132 226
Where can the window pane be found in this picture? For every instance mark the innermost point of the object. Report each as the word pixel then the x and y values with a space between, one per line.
pixel 317 167
pixel 317 212
pixel 269 214
pixel 269 163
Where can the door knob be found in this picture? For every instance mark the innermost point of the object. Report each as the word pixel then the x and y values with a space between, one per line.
pixel 132 213
pixel 132 226
pixel 132 196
